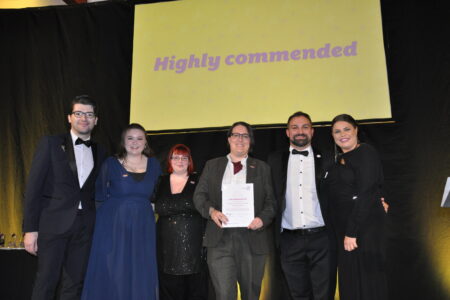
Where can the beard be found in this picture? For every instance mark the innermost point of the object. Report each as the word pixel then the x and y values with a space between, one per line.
pixel 300 143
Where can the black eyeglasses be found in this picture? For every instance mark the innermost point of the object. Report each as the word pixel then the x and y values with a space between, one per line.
pixel 236 136
pixel 80 114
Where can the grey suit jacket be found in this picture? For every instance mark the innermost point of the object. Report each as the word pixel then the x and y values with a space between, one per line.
pixel 209 194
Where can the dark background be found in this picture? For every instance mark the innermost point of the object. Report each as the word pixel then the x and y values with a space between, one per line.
pixel 49 55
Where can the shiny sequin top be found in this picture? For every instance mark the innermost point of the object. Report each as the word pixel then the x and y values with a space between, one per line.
pixel 179 229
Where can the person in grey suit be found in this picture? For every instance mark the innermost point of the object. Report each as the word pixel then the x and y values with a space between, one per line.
pixel 236 254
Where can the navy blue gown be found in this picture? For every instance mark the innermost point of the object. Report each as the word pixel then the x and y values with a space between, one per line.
pixel 122 264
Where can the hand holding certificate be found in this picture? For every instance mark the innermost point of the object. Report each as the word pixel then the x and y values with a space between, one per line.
pixel 218 217
pixel 238 204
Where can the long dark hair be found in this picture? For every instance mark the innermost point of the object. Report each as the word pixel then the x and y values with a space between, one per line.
pixel 344 118
pixel 122 152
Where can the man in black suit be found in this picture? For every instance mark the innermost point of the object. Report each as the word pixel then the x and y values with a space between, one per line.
pixel 301 223
pixel 59 209
pixel 236 254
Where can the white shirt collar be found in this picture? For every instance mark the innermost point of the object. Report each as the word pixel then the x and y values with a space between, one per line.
pixel 75 137
pixel 243 161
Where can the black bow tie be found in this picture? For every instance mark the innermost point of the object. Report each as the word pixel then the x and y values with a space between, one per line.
pixel 79 141
pixel 304 152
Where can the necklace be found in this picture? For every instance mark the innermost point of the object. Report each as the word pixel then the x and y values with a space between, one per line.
pixel 129 167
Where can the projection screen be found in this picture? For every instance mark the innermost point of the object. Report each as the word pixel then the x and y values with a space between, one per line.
pixel 209 63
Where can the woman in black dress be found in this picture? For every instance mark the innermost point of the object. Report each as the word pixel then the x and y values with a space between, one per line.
pixel 179 231
pixel 354 192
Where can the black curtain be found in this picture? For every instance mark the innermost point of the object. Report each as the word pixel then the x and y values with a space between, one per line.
pixel 49 55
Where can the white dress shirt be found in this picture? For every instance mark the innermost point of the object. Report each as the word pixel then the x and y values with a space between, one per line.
pixel 302 204
pixel 84 160
pixel 230 178
pixel 240 177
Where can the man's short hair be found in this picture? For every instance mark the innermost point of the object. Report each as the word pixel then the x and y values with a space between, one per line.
pixel 85 100
pixel 299 114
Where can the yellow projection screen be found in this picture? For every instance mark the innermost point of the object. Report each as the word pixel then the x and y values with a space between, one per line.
pixel 209 63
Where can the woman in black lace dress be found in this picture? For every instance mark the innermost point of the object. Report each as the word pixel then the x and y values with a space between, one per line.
pixel 179 231
pixel 354 192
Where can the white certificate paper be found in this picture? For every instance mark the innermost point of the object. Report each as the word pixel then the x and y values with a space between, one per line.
pixel 238 204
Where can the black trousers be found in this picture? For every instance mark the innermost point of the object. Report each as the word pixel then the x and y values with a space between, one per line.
pixel 63 255
pixel 184 287
pixel 306 264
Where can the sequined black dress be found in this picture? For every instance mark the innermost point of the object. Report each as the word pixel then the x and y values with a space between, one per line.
pixel 179 242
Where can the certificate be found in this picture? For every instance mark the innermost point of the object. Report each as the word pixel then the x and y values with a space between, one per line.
pixel 237 204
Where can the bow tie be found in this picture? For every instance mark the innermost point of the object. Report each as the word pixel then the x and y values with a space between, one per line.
pixel 79 141
pixel 304 152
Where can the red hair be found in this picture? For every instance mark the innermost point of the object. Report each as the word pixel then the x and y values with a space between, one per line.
pixel 180 149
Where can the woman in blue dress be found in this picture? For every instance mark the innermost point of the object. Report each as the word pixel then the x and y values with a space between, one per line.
pixel 122 263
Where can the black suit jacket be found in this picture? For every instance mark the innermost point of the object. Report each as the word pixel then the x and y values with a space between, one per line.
pixel 209 194
pixel 53 193
pixel 278 162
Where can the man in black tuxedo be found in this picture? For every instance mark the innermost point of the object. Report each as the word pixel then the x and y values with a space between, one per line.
pixel 59 212
pixel 301 225
pixel 236 254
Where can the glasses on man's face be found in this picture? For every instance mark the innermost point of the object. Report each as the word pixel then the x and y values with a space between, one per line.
pixel 180 157
pixel 237 136
pixel 80 114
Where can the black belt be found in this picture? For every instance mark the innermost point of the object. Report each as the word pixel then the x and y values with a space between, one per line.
pixel 307 231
